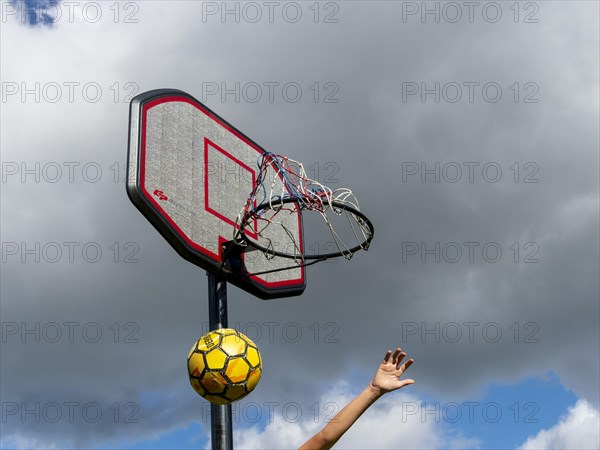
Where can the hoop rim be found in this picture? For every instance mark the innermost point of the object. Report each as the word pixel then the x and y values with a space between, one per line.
pixel 334 204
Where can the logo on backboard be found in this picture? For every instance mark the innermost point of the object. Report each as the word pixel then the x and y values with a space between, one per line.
pixel 160 194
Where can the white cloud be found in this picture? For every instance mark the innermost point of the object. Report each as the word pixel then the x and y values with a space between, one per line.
pixel 387 424
pixel 579 429
pixel 20 441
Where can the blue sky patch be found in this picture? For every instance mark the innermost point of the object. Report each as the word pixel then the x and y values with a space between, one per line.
pixel 34 12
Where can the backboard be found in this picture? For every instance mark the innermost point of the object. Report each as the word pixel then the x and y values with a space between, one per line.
pixel 190 173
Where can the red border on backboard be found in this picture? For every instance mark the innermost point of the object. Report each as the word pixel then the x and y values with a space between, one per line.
pixel 163 213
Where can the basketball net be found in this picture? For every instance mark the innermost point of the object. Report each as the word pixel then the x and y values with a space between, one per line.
pixel 297 193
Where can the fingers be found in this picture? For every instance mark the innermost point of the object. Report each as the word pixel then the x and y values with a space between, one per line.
pixel 407 382
pixel 386 358
pixel 406 365
pixel 397 358
pixel 400 358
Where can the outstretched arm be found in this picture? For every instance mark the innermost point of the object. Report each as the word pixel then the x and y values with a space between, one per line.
pixel 386 379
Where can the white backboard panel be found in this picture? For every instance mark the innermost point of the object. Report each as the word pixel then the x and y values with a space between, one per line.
pixel 190 173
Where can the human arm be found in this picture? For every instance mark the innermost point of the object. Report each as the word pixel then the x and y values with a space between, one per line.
pixel 386 379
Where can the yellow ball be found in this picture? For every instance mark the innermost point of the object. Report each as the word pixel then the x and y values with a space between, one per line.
pixel 224 366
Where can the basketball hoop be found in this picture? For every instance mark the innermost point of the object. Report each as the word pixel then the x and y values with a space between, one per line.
pixel 298 194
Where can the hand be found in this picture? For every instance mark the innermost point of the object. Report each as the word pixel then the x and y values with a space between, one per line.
pixel 387 377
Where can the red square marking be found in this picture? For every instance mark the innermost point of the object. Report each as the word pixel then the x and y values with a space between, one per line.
pixel 211 146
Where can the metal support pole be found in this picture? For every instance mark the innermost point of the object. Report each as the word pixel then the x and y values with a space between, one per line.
pixel 220 415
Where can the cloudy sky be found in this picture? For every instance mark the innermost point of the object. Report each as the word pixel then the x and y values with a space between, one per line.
pixel 469 133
